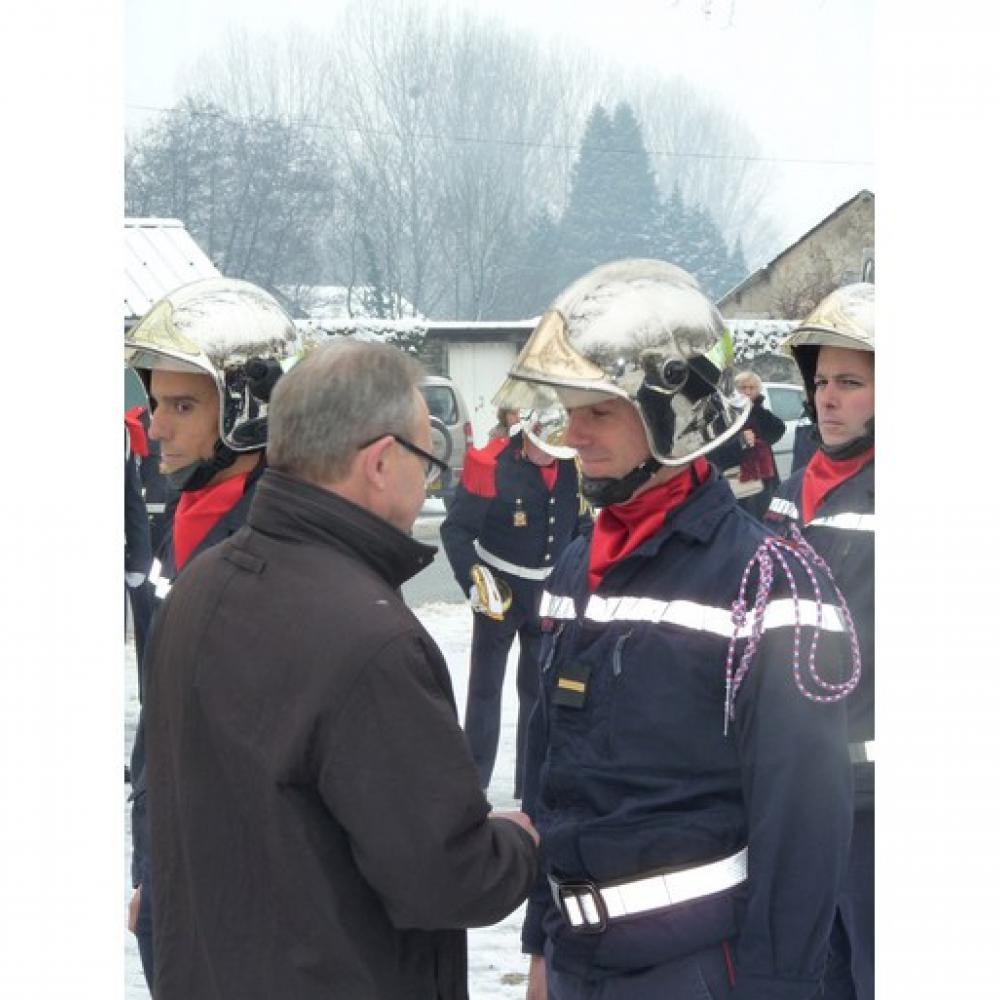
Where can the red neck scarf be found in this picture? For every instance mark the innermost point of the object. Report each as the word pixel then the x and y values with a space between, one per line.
pixel 549 474
pixel 623 527
pixel 823 474
pixel 198 511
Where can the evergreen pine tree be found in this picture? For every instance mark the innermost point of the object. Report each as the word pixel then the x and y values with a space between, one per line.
pixel 614 207
pixel 672 229
pixel 374 297
pixel 707 256
pixel 634 199
pixel 534 273
pixel 586 230
pixel 737 265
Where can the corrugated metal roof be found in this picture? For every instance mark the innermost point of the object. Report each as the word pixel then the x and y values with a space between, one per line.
pixel 160 255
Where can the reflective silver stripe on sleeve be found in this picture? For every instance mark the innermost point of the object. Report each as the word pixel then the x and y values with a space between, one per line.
pixel 161 585
pixel 705 618
pixel 783 507
pixel 846 522
pixel 525 572
pixel 556 606
pixel 781 614
pixel 862 753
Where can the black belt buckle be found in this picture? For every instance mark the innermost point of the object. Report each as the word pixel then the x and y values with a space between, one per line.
pixel 580 890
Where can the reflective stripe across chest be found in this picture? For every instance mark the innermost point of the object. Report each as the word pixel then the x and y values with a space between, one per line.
pixel 689 614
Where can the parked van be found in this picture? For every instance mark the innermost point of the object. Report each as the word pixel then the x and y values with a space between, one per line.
pixel 451 433
pixel 784 400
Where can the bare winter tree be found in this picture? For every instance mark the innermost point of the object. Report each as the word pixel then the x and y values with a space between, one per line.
pixel 498 104
pixel 802 290
pixel 255 193
pixel 445 136
pixel 288 77
pixel 386 59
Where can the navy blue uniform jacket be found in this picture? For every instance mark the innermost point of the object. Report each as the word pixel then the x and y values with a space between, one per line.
pixel 642 778
pixel 843 532
pixel 497 483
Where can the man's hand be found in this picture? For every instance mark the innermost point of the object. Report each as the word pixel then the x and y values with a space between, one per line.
pixel 537 987
pixel 749 437
pixel 133 908
pixel 520 818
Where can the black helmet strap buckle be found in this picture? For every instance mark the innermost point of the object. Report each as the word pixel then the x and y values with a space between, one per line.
pixel 602 492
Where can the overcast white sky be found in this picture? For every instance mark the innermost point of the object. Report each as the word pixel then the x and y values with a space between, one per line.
pixel 799 72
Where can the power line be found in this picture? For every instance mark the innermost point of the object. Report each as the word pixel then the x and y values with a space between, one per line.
pixel 496 141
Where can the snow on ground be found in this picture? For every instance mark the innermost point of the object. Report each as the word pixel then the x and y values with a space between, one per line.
pixel 497 969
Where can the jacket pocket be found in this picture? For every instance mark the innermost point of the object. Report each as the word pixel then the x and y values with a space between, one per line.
pixel 618 681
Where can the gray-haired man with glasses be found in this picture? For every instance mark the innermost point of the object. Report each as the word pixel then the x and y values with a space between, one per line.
pixel 317 824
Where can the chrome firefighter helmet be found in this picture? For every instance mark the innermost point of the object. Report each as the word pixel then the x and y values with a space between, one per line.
pixel 641 330
pixel 546 429
pixel 845 318
pixel 233 332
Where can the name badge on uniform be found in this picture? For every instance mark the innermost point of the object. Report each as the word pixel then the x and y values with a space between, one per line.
pixel 520 517
pixel 571 686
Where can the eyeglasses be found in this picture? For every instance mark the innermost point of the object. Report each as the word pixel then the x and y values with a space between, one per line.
pixel 434 468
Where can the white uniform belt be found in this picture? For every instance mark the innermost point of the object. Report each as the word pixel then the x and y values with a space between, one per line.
pixel 862 753
pixel 589 908
pixel 525 572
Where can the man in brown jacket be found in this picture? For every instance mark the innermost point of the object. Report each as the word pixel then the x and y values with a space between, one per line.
pixel 317 824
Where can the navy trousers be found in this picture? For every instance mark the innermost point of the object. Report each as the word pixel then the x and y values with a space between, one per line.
pixel 705 975
pixel 850 967
pixel 491 642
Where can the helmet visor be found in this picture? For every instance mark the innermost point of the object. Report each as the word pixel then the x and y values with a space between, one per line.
pixel 546 429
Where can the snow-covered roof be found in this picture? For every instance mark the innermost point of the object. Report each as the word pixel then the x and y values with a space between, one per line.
pixel 160 255
pixel 753 337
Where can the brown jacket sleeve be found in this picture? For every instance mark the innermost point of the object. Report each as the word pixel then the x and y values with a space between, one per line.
pixel 397 774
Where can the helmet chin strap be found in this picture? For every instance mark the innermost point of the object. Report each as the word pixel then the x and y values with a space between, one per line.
pixel 602 492
pixel 200 473
pixel 854 447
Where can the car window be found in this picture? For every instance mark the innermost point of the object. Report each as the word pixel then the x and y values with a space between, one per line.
pixel 785 403
pixel 441 403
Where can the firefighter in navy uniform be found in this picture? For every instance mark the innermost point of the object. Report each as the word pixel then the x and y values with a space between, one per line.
pixel 832 500
pixel 516 509
pixel 692 787
pixel 138 545
pixel 208 354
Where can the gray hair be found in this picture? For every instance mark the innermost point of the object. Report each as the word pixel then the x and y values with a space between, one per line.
pixel 338 398
pixel 742 378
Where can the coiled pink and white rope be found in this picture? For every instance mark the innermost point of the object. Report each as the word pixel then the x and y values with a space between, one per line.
pixel 771 550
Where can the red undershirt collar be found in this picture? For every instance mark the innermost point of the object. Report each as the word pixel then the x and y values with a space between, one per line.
pixel 198 511
pixel 623 527
pixel 823 474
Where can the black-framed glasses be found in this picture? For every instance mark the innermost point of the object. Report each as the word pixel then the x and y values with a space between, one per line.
pixel 434 468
